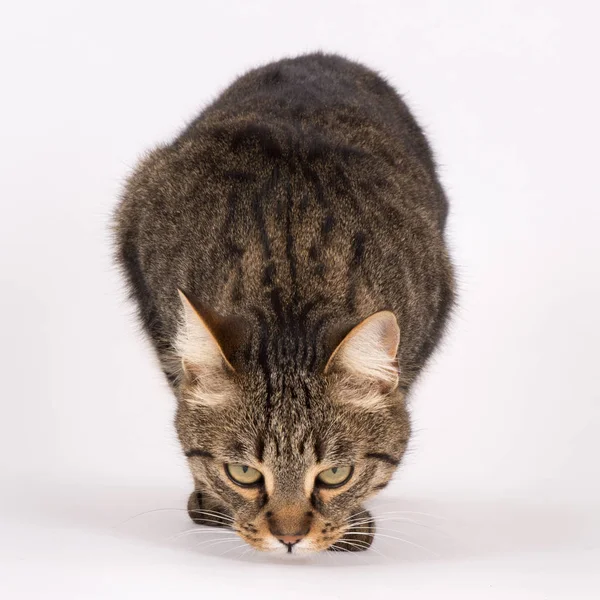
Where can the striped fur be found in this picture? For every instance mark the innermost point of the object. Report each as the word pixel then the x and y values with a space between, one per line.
pixel 301 213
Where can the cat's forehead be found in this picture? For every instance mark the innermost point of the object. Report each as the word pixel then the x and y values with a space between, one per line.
pixel 273 398
pixel 303 440
pixel 286 425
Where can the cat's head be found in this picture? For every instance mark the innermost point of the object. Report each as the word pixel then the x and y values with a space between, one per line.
pixel 288 453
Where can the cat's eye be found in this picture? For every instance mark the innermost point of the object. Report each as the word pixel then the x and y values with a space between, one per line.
pixel 243 474
pixel 334 477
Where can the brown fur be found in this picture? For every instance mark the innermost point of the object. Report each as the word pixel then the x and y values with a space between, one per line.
pixel 299 204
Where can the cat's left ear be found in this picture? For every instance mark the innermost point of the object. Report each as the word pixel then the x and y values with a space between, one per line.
pixel 206 345
pixel 368 352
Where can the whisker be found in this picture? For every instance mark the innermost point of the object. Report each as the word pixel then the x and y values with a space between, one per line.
pixel 359 518
pixel 216 518
pixel 363 522
pixel 375 521
pixel 382 516
pixel 199 531
pixel 361 545
pixel 392 537
pixel 434 529
pixel 147 512
pixel 367 527
pixel 212 513
pixel 410 512
pixel 361 515
pixel 216 541
pixel 356 543
pixel 234 548
pixel 326 554
pixel 250 549
pixel 209 520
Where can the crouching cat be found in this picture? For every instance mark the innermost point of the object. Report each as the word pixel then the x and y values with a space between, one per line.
pixel 286 253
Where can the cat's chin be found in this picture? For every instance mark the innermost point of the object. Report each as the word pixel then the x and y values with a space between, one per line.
pixel 298 552
pixel 301 553
pixel 352 541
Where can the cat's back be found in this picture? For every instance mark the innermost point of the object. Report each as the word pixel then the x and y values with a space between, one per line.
pixel 327 92
pixel 305 192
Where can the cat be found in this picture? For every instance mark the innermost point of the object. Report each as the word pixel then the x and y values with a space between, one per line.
pixel 286 253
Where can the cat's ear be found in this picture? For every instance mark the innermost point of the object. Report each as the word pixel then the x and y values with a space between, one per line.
pixel 205 344
pixel 368 352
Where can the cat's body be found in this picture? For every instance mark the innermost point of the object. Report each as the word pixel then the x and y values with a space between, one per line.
pixel 300 203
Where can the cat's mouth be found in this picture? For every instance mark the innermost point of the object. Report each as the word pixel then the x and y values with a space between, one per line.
pixel 352 534
pixel 323 537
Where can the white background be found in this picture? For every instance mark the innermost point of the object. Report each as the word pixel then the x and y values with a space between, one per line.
pixel 502 478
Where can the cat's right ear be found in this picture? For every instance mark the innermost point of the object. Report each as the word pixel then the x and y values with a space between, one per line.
pixel 366 360
pixel 205 343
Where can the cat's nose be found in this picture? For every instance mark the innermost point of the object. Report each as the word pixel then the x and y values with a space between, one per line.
pixel 288 526
pixel 289 540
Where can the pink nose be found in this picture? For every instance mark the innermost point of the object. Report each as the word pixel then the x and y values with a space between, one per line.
pixel 289 539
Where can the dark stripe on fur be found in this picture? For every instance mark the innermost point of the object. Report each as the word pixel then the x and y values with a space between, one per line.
pixel 301 446
pixel 306 395
pixel 263 500
pixel 142 293
pixel 316 502
pixel 383 457
pixel 237 448
pixel 289 244
pixel 316 341
pixel 263 361
pixel 254 135
pixel 319 450
pixel 259 216
pixel 259 451
pixel 198 452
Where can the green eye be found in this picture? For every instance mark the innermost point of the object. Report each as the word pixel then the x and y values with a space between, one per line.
pixel 243 474
pixel 334 477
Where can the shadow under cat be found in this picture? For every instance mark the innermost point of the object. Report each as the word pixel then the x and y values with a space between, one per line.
pixel 408 528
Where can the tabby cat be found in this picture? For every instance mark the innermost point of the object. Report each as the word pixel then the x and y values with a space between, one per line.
pixel 286 253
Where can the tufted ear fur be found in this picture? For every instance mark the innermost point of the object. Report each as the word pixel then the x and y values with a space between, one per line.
pixel 367 356
pixel 204 344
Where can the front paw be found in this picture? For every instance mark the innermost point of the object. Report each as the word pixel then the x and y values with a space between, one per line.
pixel 360 535
pixel 203 511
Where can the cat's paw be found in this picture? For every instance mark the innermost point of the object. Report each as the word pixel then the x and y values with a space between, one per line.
pixel 204 511
pixel 360 536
